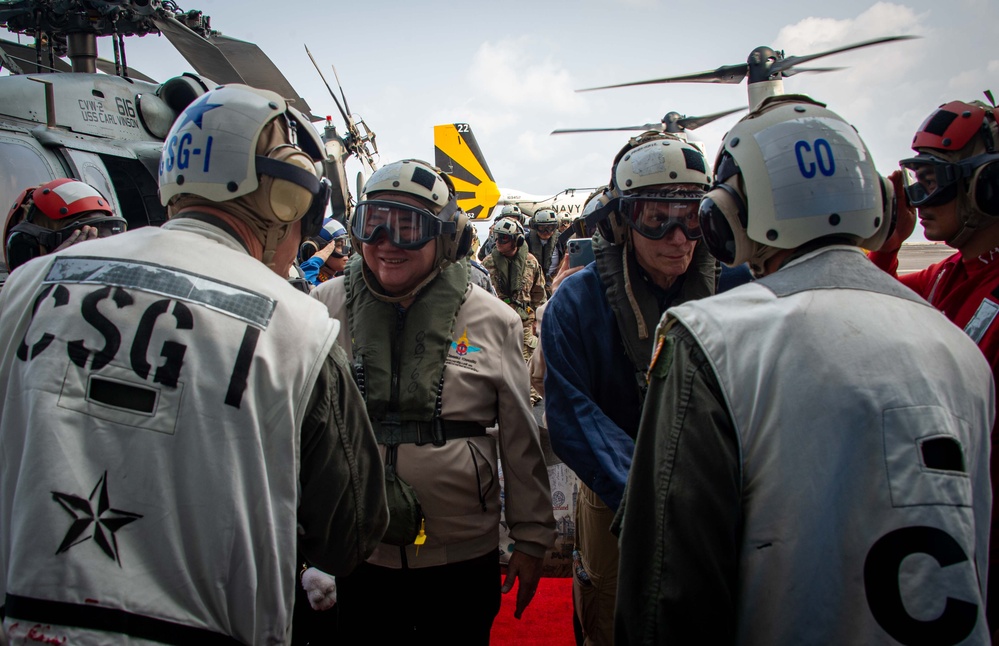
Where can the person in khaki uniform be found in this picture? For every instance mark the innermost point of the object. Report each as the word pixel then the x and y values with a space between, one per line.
pixel 438 362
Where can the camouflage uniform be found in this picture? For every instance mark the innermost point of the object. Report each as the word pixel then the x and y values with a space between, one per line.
pixel 525 300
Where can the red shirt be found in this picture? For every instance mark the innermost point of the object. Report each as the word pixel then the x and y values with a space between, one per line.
pixel 963 289
pixel 966 290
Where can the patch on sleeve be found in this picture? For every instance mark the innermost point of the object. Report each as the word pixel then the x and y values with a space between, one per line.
pixel 662 355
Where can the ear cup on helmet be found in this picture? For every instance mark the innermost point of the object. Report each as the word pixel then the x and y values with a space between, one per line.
pixel 457 245
pixel 288 200
pixel 723 221
pixel 26 241
pixel 613 228
pixel 307 250
pixel 889 217
pixel 984 189
pixel 20 248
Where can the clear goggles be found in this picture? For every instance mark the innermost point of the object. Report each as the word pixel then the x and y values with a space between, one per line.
pixel 931 181
pixel 657 217
pixel 405 226
pixel 545 228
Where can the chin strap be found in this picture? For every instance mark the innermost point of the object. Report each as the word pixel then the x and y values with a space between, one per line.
pixel 272 238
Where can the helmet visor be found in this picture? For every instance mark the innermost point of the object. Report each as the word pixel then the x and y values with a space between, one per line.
pixel 929 181
pixel 657 217
pixel 405 226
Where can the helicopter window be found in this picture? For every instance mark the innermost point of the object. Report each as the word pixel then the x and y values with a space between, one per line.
pixel 20 167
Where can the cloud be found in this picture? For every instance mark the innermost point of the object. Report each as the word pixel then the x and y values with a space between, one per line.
pixel 511 74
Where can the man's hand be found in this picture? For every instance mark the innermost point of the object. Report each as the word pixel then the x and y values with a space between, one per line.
pixel 320 587
pixel 528 570
pixel 906 221
pixel 83 233
pixel 326 251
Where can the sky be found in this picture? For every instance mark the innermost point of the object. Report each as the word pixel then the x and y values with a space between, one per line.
pixel 510 69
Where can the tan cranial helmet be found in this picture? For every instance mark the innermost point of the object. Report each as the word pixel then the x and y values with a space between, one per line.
pixel 544 216
pixel 434 189
pixel 248 152
pixel 789 173
pixel 653 162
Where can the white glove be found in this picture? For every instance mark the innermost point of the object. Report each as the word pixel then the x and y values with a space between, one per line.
pixel 320 587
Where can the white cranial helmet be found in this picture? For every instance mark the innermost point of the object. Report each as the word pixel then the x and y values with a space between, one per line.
pixel 211 150
pixel 789 173
pixel 653 161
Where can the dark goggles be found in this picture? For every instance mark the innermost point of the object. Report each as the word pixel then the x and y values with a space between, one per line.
pixel 106 226
pixel 504 238
pixel 931 181
pixel 405 226
pixel 657 217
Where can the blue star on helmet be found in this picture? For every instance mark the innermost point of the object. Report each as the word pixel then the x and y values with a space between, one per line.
pixel 196 111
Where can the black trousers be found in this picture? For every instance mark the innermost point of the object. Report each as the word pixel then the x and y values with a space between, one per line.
pixel 448 604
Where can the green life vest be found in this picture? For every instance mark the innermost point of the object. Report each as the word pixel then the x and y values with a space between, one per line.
pixel 400 354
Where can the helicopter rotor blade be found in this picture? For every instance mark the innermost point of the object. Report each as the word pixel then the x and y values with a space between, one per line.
pixel 692 123
pixel 108 67
pixel 258 70
pixel 723 74
pixel 203 56
pixel 645 128
pixel 813 70
pixel 24 56
pixel 346 106
pixel 790 61
pixel 343 113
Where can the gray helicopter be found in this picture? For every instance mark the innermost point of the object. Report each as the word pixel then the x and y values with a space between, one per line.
pixel 766 69
pixel 64 112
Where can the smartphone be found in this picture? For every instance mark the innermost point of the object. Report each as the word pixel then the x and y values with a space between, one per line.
pixel 580 252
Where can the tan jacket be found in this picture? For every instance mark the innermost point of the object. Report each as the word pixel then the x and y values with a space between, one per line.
pixel 485 379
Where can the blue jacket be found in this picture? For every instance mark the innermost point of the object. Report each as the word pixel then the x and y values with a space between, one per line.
pixel 590 386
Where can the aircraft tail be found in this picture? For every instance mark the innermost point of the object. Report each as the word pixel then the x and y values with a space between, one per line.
pixel 457 153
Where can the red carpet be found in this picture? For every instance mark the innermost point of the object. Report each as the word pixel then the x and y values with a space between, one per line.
pixel 546 622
